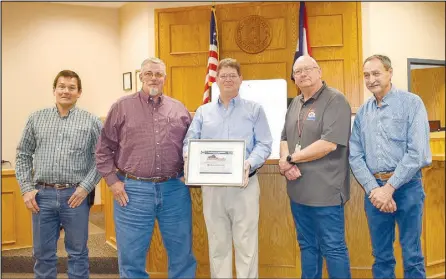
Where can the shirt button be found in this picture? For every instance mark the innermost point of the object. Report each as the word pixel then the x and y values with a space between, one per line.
pixel 157 168
pixel 156 119
pixel 157 143
pixel 157 155
pixel 156 131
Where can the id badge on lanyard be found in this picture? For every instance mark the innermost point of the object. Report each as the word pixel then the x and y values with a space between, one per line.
pixel 297 149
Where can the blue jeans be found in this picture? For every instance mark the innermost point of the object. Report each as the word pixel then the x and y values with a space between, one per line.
pixel 168 202
pixel 321 233
pixel 409 199
pixel 54 211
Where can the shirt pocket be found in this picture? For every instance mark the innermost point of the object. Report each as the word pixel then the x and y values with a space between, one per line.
pixel 177 130
pixel 395 128
pixel 79 140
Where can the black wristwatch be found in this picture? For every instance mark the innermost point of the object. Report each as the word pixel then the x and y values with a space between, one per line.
pixel 288 159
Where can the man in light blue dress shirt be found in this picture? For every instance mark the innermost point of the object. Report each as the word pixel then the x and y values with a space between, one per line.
pixel 388 147
pixel 232 213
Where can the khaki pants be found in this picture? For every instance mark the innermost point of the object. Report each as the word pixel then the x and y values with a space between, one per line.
pixel 232 213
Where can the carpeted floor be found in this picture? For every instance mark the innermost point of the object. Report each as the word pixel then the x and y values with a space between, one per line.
pixel 103 258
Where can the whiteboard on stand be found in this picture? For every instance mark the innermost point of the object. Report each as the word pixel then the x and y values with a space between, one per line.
pixel 271 94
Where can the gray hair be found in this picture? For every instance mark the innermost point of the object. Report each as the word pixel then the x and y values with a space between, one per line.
pixel 384 60
pixel 152 60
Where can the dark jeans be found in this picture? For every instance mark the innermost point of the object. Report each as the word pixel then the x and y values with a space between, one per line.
pixel 54 211
pixel 321 233
pixel 409 199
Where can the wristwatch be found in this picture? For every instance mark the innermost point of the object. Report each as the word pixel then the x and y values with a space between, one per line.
pixel 288 159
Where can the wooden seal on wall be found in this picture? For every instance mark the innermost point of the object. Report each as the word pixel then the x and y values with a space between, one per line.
pixel 253 34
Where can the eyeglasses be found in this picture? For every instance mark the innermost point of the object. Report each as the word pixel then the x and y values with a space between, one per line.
pixel 62 87
pixel 150 75
pixel 305 70
pixel 228 76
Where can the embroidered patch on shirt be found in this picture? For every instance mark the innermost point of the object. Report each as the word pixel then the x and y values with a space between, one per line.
pixel 311 115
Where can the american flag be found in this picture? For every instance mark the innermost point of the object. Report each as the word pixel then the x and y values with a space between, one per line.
pixel 211 72
pixel 303 42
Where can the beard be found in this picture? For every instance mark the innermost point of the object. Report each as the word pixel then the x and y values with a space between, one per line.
pixel 153 91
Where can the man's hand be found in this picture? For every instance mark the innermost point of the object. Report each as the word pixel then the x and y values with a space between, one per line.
pixel 77 197
pixel 380 196
pixel 284 165
pixel 293 173
pixel 30 201
pixel 119 193
pixel 247 167
pixel 390 207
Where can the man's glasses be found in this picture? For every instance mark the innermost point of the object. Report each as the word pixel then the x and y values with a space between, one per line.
pixel 228 76
pixel 305 70
pixel 150 75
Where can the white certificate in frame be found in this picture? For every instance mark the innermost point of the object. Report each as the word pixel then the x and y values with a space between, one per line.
pixel 215 162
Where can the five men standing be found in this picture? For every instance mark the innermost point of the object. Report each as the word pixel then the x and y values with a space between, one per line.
pixel 140 154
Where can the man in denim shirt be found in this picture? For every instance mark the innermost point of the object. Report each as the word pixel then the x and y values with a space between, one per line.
pixel 388 147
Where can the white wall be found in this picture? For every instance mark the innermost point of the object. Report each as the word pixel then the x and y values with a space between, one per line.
pixel 403 30
pixel 41 39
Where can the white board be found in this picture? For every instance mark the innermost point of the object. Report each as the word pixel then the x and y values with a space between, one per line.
pixel 272 95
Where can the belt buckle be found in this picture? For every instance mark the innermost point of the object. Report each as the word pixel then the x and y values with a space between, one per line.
pixel 156 179
pixel 61 186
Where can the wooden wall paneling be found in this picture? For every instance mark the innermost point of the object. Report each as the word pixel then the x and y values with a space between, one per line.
pixel 334 35
pixel 190 47
pixel 429 84
pixel 279 255
pixel 433 234
pixel 283 20
pixel 110 235
pixel 16 218
pixel 357 232
pixel 186 90
pixel 9 234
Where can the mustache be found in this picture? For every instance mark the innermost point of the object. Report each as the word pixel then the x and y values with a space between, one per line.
pixel 372 84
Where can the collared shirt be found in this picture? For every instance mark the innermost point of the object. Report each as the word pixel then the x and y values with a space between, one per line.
pixel 390 138
pixel 143 138
pixel 324 116
pixel 59 148
pixel 243 119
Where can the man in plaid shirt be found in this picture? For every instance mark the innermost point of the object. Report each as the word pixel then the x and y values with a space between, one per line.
pixel 56 170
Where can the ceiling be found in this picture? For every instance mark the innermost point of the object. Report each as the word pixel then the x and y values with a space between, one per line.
pixel 111 4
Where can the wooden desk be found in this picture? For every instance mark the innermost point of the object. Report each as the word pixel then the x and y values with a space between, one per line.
pixel 279 255
pixel 16 218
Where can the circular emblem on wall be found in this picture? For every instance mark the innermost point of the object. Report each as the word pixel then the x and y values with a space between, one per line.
pixel 253 34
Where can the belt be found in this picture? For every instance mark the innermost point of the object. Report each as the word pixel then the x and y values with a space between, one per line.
pixel 58 186
pixel 383 175
pixel 158 179
pixel 252 173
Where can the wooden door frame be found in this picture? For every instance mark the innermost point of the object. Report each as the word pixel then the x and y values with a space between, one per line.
pixel 418 61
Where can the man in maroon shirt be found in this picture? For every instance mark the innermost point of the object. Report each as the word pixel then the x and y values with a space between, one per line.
pixel 139 153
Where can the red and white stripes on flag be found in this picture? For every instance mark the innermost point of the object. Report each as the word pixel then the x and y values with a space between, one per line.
pixel 211 72
pixel 303 42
